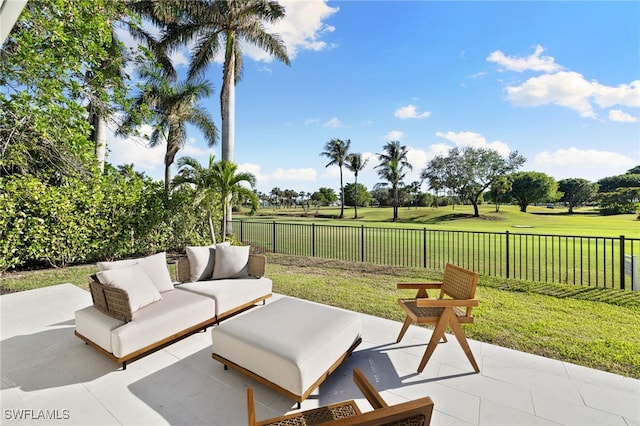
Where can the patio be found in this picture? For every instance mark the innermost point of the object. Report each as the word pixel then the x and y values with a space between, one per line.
pixel 47 371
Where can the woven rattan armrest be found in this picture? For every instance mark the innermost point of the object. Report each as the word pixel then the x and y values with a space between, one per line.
pixel 256 267
pixel 110 300
pixel 443 303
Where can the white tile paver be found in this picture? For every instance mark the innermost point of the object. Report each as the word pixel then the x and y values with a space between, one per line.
pixel 45 367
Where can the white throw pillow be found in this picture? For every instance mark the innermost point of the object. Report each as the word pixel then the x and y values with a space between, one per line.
pixel 231 262
pixel 155 266
pixel 134 280
pixel 202 260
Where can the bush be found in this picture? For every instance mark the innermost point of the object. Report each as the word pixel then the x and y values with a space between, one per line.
pixel 84 220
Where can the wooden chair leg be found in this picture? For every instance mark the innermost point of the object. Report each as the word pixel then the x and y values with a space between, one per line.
pixel 251 409
pixel 438 333
pixel 405 327
pixel 462 339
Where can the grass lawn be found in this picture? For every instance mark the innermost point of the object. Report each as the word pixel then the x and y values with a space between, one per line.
pixel 537 219
pixel 593 327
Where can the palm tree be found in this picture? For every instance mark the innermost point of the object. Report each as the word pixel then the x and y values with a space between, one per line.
pixel 356 164
pixel 172 107
pixel 222 24
pixel 229 184
pixel 337 150
pixel 393 162
pixel 201 179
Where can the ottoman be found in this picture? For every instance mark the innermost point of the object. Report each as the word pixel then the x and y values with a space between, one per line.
pixel 290 345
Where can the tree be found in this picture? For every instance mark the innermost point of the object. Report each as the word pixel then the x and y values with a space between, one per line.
pixel 324 196
pixel 576 191
pixel 356 164
pixel 620 194
pixel 172 107
pixel 207 196
pixel 412 193
pixel 382 196
pixel 498 189
pixel 217 25
pixel 532 187
pixel 216 185
pixel 468 172
pixel 44 128
pixel 337 151
pixel 393 162
pixel 356 194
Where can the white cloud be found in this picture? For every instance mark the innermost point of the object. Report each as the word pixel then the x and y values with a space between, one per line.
pixel 280 177
pixel 475 140
pixel 136 151
pixel 309 121
pixel 301 29
pixel 409 111
pixel 583 158
pixel 624 94
pixel 621 116
pixel 567 88
pixel 395 135
pixel 334 123
pixel 533 62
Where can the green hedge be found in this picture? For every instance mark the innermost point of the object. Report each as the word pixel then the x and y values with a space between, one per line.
pixel 84 220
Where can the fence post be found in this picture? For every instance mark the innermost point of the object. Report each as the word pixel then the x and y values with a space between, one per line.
pixel 241 230
pixel 424 247
pixel 313 240
pixel 361 243
pixel 622 277
pixel 274 236
pixel 507 251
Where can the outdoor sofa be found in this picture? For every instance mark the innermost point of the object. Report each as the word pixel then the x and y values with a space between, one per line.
pixel 137 308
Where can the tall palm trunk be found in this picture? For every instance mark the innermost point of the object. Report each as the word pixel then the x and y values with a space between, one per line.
pixel 99 137
pixel 211 231
pixel 355 198
pixel 228 133
pixel 341 195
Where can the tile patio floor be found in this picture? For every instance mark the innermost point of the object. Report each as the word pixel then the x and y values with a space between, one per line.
pixel 45 367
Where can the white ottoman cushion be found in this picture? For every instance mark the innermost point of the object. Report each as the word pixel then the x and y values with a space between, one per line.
pixel 289 342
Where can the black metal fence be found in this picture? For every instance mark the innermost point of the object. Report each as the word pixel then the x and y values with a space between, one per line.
pixel 580 260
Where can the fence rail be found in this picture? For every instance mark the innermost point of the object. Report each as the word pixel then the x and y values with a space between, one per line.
pixel 580 260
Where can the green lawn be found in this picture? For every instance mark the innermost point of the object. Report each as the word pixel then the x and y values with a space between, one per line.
pixel 593 327
pixel 537 220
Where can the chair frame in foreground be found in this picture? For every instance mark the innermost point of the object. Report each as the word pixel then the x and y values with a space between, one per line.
pixel 415 412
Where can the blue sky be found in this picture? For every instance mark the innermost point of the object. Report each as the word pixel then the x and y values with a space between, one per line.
pixel 557 81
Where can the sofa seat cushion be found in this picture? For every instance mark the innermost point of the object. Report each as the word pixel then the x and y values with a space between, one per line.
pixel 96 326
pixel 289 342
pixel 176 312
pixel 230 293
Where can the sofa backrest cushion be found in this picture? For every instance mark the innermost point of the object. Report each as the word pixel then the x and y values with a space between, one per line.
pixel 231 262
pixel 202 260
pixel 135 281
pixel 155 266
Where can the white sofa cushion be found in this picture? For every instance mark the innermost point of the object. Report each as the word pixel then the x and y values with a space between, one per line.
pixel 290 342
pixel 155 266
pixel 230 293
pixel 202 260
pixel 135 281
pixel 231 262
pixel 96 326
pixel 177 311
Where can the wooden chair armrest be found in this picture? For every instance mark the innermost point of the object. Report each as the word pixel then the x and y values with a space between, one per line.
pixel 418 286
pixel 443 303
pixel 368 390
